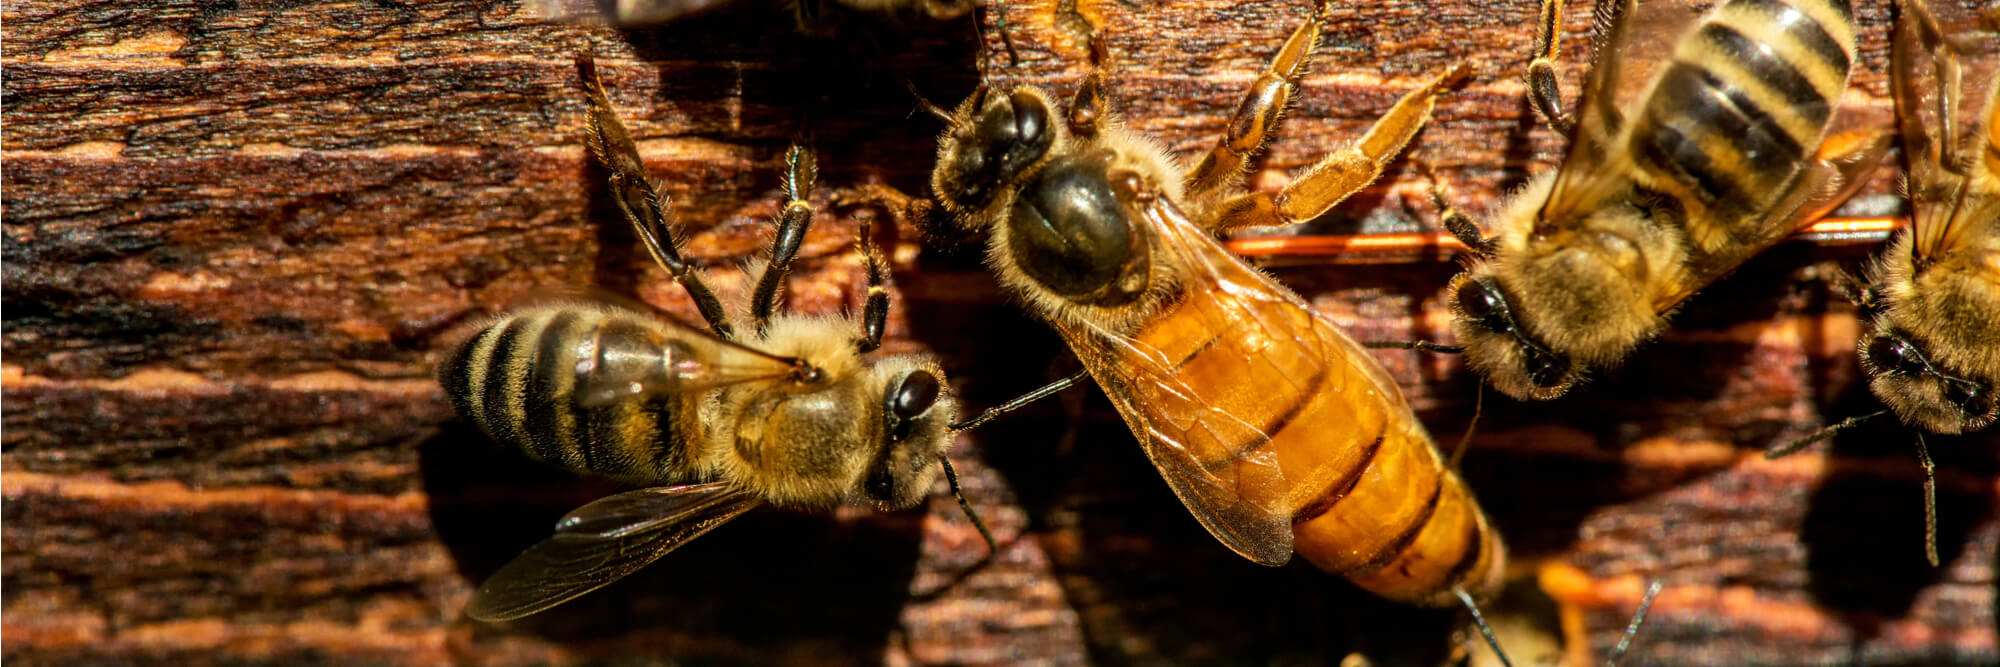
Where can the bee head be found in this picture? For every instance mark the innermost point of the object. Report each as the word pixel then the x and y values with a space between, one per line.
pixel 1483 319
pixel 994 140
pixel 1923 393
pixel 915 411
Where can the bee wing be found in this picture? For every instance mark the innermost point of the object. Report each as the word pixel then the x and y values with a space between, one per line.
pixel 1632 42
pixel 604 541
pixel 617 12
pixel 1195 433
pixel 1945 74
pixel 672 357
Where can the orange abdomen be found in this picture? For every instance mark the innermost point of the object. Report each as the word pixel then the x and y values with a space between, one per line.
pixel 1369 496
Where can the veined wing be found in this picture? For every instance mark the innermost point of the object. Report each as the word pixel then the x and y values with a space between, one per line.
pixel 1946 67
pixel 1635 41
pixel 1206 385
pixel 635 350
pixel 604 541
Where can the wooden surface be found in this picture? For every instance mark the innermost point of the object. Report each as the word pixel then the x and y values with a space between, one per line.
pixel 238 236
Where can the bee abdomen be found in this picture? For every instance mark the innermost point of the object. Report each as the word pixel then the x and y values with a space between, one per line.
pixel 1743 102
pixel 517 380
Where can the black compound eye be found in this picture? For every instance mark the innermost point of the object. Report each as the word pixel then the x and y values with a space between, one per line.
pixel 1545 369
pixel 1895 355
pixel 915 395
pixel 1481 302
pixel 1002 142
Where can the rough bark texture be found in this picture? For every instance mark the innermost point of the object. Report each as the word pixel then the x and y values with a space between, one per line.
pixel 238 235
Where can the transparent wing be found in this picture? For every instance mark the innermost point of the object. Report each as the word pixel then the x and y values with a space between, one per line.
pixel 1945 69
pixel 635 350
pixel 1634 41
pixel 604 541
pixel 617 12
pixel 1207 435
pixel 1857 142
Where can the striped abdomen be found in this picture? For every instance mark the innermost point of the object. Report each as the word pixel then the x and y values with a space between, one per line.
pixel 518 380
pixel 1740 107
pixel 1366 492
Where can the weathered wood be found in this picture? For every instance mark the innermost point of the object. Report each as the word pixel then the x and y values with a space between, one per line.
pixel 237 236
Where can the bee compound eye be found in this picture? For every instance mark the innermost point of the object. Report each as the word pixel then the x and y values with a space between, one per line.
pixel 915 396
pixel 1479 301
pixel 1895 355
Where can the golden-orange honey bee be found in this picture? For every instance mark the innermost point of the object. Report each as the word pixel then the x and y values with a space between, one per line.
pixel 1279 433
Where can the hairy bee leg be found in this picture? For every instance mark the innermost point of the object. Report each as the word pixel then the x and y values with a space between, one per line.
pixel 1456 222
pixel 1543 90
pixel 1257 117
pixel 1930 500
pixel 1092 101
pixel 875 310
pixel 639 198
pixel 1343 172
pixel 800 169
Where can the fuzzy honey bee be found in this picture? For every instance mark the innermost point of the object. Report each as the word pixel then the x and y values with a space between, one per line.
pixel 774 407
pixel 1277 431
pixel 1702 139
pixel 1934 354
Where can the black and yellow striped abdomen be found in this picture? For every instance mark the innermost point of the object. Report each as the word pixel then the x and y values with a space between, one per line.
pixel 518 380
pixel 1740 108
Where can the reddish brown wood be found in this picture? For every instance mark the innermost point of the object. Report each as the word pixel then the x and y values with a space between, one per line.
pixel 238 235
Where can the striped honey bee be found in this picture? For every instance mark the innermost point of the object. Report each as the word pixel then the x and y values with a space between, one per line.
pixel 1703 138
pixel 774 408
pixel 1934 354
pixel 1277 431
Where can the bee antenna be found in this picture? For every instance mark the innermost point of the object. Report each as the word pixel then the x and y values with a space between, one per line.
pixel 1423 345
pixel 1479 619
pixel 1786 449
pixel 1024 399
pixel 958 493
pixel 1632 627
pixel 929 107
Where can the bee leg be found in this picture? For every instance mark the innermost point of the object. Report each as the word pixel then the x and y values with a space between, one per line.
pixel 640 199
pixel 800 169
pixel 1455 221
pixel 1256 119
pixel 1342 172
pixel 1543 91
pixel 1092 101
pixel 1632 626
pixel 875 310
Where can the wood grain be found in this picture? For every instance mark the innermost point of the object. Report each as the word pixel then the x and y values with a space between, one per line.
pixel 238 235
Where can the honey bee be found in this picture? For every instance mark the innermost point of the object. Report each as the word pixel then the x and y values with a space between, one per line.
pixel 776 407
pixel 1934 354
pixel 1277 431
pixel 1703 138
